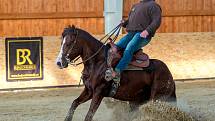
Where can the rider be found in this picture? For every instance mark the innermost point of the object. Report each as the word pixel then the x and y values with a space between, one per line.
pixel 143 21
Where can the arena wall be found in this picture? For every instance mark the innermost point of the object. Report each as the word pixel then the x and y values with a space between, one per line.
pixel 188 55
pixel 49 17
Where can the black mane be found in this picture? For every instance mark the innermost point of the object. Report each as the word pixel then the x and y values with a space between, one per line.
pixel 81 34
pixel 69 30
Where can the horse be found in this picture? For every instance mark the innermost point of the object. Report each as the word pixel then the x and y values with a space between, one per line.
pixel 136 87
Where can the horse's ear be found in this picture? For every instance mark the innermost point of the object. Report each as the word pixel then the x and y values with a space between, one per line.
pixel 73 26
pixel 69 26
pixel 74 29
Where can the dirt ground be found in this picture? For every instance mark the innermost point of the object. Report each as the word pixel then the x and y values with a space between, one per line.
pixel 196 101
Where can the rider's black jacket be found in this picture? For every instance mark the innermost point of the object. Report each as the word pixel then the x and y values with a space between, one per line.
pixel 145 15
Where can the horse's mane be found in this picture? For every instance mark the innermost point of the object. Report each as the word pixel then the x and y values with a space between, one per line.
pixel 69 30
pixel 81 33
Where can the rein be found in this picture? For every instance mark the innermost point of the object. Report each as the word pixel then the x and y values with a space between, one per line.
pixel 115 30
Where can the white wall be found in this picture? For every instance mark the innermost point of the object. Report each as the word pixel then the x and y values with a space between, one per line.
pixel 113 10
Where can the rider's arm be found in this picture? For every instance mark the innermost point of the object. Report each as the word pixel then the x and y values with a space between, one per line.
pixel 155 13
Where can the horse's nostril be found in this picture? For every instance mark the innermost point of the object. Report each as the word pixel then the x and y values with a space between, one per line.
pixel 59 63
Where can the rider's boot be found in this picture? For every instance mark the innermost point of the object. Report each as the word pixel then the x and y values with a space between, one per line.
pixel 115 84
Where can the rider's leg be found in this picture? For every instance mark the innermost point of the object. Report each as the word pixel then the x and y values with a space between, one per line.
pixel 135 44
pixel 123 42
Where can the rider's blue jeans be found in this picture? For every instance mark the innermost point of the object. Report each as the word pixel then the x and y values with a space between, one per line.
pixel 131 43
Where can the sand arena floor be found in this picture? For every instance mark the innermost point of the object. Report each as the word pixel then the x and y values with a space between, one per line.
pixel 196 101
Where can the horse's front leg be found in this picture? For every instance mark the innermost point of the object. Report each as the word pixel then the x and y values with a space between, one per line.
pixel 96 101
pixel 85 96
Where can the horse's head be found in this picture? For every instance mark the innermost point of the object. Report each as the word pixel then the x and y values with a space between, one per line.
pixel 69 47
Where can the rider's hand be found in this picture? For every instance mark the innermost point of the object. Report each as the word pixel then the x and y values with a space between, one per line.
pixel 144 34
pixel 122 21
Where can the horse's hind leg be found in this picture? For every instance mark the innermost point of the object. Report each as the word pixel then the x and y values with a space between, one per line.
pixel 85 96
pixel 163 90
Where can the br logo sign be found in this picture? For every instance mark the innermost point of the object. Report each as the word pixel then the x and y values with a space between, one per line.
pixel 23 61
pixel 24 58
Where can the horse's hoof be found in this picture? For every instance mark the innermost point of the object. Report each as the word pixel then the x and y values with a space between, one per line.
pixel 67 119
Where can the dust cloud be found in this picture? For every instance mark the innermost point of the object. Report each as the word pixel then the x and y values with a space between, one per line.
pixel 153 111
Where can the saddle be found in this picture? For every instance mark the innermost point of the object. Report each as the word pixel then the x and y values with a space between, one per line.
pixel 139 60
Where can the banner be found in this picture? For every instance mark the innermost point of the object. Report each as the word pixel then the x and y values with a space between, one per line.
pixel 24 58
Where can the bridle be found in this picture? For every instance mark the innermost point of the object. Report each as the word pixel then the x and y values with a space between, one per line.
pixel 73 62
pixel 70 50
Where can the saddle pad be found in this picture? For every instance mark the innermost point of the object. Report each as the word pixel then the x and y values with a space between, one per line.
pixel 149 68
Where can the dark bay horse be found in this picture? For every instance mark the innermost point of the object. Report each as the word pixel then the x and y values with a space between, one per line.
pixel 137 87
